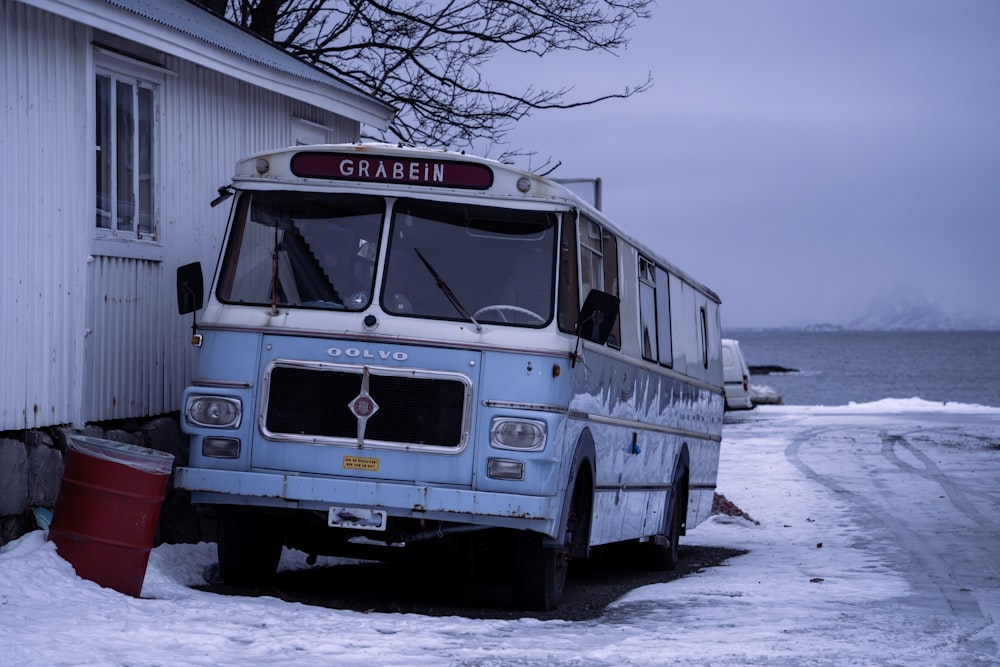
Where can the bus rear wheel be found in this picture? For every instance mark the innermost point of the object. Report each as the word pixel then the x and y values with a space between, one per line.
pixel 249 547
pixel 662 552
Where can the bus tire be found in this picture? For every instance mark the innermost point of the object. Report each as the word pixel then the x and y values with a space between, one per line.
pixel 249 547
pixel 662 552
pixel 538 576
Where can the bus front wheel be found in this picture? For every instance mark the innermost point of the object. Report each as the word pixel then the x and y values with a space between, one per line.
pixel 539 570
pixel 249 547
pixel 539 574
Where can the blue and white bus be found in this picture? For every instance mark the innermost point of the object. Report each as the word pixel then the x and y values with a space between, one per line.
pixel 415 349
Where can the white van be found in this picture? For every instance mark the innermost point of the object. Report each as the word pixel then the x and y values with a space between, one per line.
pixel 736 376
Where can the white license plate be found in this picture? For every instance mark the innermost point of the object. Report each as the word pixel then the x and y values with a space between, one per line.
pixel 357 518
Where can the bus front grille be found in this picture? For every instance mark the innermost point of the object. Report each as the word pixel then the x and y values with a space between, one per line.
pixel 310 403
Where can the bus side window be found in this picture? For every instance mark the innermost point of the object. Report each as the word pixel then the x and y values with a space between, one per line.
pixel 665 343
pixel 599 265
pixel 703 336
pixel 610 247
pixel 569 287
pixel 647 309
pixel 591 255
pixel 683 326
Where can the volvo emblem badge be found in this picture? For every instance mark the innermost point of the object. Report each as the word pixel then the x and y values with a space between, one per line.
pixel 363 406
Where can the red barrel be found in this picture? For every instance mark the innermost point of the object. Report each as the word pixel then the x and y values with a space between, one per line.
pixel 105 517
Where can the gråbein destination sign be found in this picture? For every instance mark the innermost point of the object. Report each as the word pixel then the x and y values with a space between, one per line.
pixel 407 171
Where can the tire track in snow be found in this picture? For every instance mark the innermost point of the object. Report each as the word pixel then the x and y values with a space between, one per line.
pixel 932 472
pixel 934 581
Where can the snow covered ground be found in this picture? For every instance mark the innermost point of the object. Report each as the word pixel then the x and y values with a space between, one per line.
pixel 878 544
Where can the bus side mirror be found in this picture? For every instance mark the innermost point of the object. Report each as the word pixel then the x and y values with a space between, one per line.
pixel 597 317
pixel 190 288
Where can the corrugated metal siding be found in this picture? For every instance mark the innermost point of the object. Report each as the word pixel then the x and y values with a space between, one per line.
pixel 42 244
pixel 98 338
pixel 124 348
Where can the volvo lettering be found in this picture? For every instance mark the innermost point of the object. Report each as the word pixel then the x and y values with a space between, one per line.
pixel 366 354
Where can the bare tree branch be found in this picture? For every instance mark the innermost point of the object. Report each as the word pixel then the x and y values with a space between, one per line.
pixel 426 57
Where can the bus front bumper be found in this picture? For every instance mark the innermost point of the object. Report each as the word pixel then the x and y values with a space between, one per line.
pixel 502 510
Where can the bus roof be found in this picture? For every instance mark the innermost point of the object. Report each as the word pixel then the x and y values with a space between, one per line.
pixel 379 166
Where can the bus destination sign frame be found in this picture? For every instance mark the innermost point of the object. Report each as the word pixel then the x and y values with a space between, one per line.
pixel 390 169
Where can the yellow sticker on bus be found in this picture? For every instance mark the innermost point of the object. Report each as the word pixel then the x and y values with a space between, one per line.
pixel 360 463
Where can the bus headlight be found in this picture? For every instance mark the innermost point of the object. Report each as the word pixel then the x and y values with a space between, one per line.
pixel 524 435
pixel 214 411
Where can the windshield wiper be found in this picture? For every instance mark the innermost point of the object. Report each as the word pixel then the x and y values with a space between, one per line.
pixel 443 286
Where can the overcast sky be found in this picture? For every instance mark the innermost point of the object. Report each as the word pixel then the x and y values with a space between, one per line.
pixel 801 157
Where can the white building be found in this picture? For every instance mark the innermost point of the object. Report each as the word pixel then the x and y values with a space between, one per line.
pixel 120 120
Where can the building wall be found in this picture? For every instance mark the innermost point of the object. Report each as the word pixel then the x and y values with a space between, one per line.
pixel 42 238
pixel 85 336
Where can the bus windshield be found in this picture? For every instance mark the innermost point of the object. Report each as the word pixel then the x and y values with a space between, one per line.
pixel 446 261
pixel 474 263
pixel 301 249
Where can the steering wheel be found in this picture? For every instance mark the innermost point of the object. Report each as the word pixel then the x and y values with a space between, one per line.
pixel 500 308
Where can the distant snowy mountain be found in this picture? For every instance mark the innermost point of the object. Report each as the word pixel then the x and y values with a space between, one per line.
pixel 898 311
pixel 825 326
pixel 912 312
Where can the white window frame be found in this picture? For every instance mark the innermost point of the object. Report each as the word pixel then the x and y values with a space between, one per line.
pixel 111 240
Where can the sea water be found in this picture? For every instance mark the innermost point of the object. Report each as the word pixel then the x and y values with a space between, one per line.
pixel 842 367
